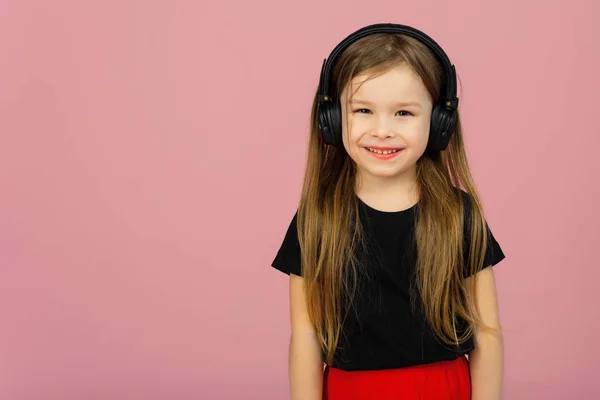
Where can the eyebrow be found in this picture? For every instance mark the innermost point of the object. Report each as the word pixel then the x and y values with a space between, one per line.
pixel 398 104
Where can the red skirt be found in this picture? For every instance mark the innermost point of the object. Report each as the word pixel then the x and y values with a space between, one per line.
pixel 446 380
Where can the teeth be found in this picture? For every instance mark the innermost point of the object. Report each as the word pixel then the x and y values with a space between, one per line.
pixel 382 151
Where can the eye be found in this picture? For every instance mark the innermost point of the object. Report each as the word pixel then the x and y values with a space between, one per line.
pixel 367 111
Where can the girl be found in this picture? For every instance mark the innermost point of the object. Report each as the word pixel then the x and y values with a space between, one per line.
pixel 388 252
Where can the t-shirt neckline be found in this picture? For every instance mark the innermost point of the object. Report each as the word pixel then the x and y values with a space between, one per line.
pixel 385 214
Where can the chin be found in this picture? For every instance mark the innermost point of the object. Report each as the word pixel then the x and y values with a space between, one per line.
pixel 383 173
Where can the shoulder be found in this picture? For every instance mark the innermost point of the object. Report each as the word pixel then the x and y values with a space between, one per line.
pixel 493 252
pixel 466 198
pixel 467 202
pixel 470 210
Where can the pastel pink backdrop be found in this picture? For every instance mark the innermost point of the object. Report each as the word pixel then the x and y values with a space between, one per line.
pixel 151 156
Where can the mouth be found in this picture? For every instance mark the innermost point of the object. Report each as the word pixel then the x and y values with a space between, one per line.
pixel 383 150
pixel 383 153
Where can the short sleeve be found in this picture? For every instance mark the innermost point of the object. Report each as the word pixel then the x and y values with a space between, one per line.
pixel 494 253
pixel 287 259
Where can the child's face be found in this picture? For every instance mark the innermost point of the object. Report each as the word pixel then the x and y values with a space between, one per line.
pixel 374 116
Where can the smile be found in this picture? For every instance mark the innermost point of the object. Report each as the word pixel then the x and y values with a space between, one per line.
pixel 383 154
pixel 382 151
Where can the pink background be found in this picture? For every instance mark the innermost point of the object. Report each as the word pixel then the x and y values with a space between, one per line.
pixel 151 157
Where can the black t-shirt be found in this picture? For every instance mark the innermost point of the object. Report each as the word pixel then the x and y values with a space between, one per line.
pixel 385 331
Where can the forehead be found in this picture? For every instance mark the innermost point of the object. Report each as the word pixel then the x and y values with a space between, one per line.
pixel 397 83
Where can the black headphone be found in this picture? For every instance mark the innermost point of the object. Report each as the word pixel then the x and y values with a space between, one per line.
pixel 443 116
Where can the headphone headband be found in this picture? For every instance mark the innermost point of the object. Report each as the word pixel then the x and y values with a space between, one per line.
pixel 451 100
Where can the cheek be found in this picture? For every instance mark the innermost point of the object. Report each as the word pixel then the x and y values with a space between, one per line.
pixel 351 132
pixel 355 129
pixel 350 140
pixel 419 137
pixel 345 128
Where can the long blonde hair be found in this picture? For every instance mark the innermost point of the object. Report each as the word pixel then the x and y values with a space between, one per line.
pixel 328 212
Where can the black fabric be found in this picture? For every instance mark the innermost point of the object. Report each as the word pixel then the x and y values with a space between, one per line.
pixel 384 330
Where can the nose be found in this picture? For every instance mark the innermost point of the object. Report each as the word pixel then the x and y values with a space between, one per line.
pixel 382 128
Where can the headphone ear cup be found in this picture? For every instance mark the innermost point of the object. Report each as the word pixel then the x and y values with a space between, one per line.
pixel 330 123
pixel 443 123
pixel 335 118
pixel 324 124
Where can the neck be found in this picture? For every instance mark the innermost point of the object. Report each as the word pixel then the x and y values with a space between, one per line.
pixel 388 193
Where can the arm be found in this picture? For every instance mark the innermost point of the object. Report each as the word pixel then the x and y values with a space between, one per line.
pixel 305 363
pixel 487 359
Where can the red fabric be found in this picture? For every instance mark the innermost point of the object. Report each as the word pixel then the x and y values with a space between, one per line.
pixel 447 380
